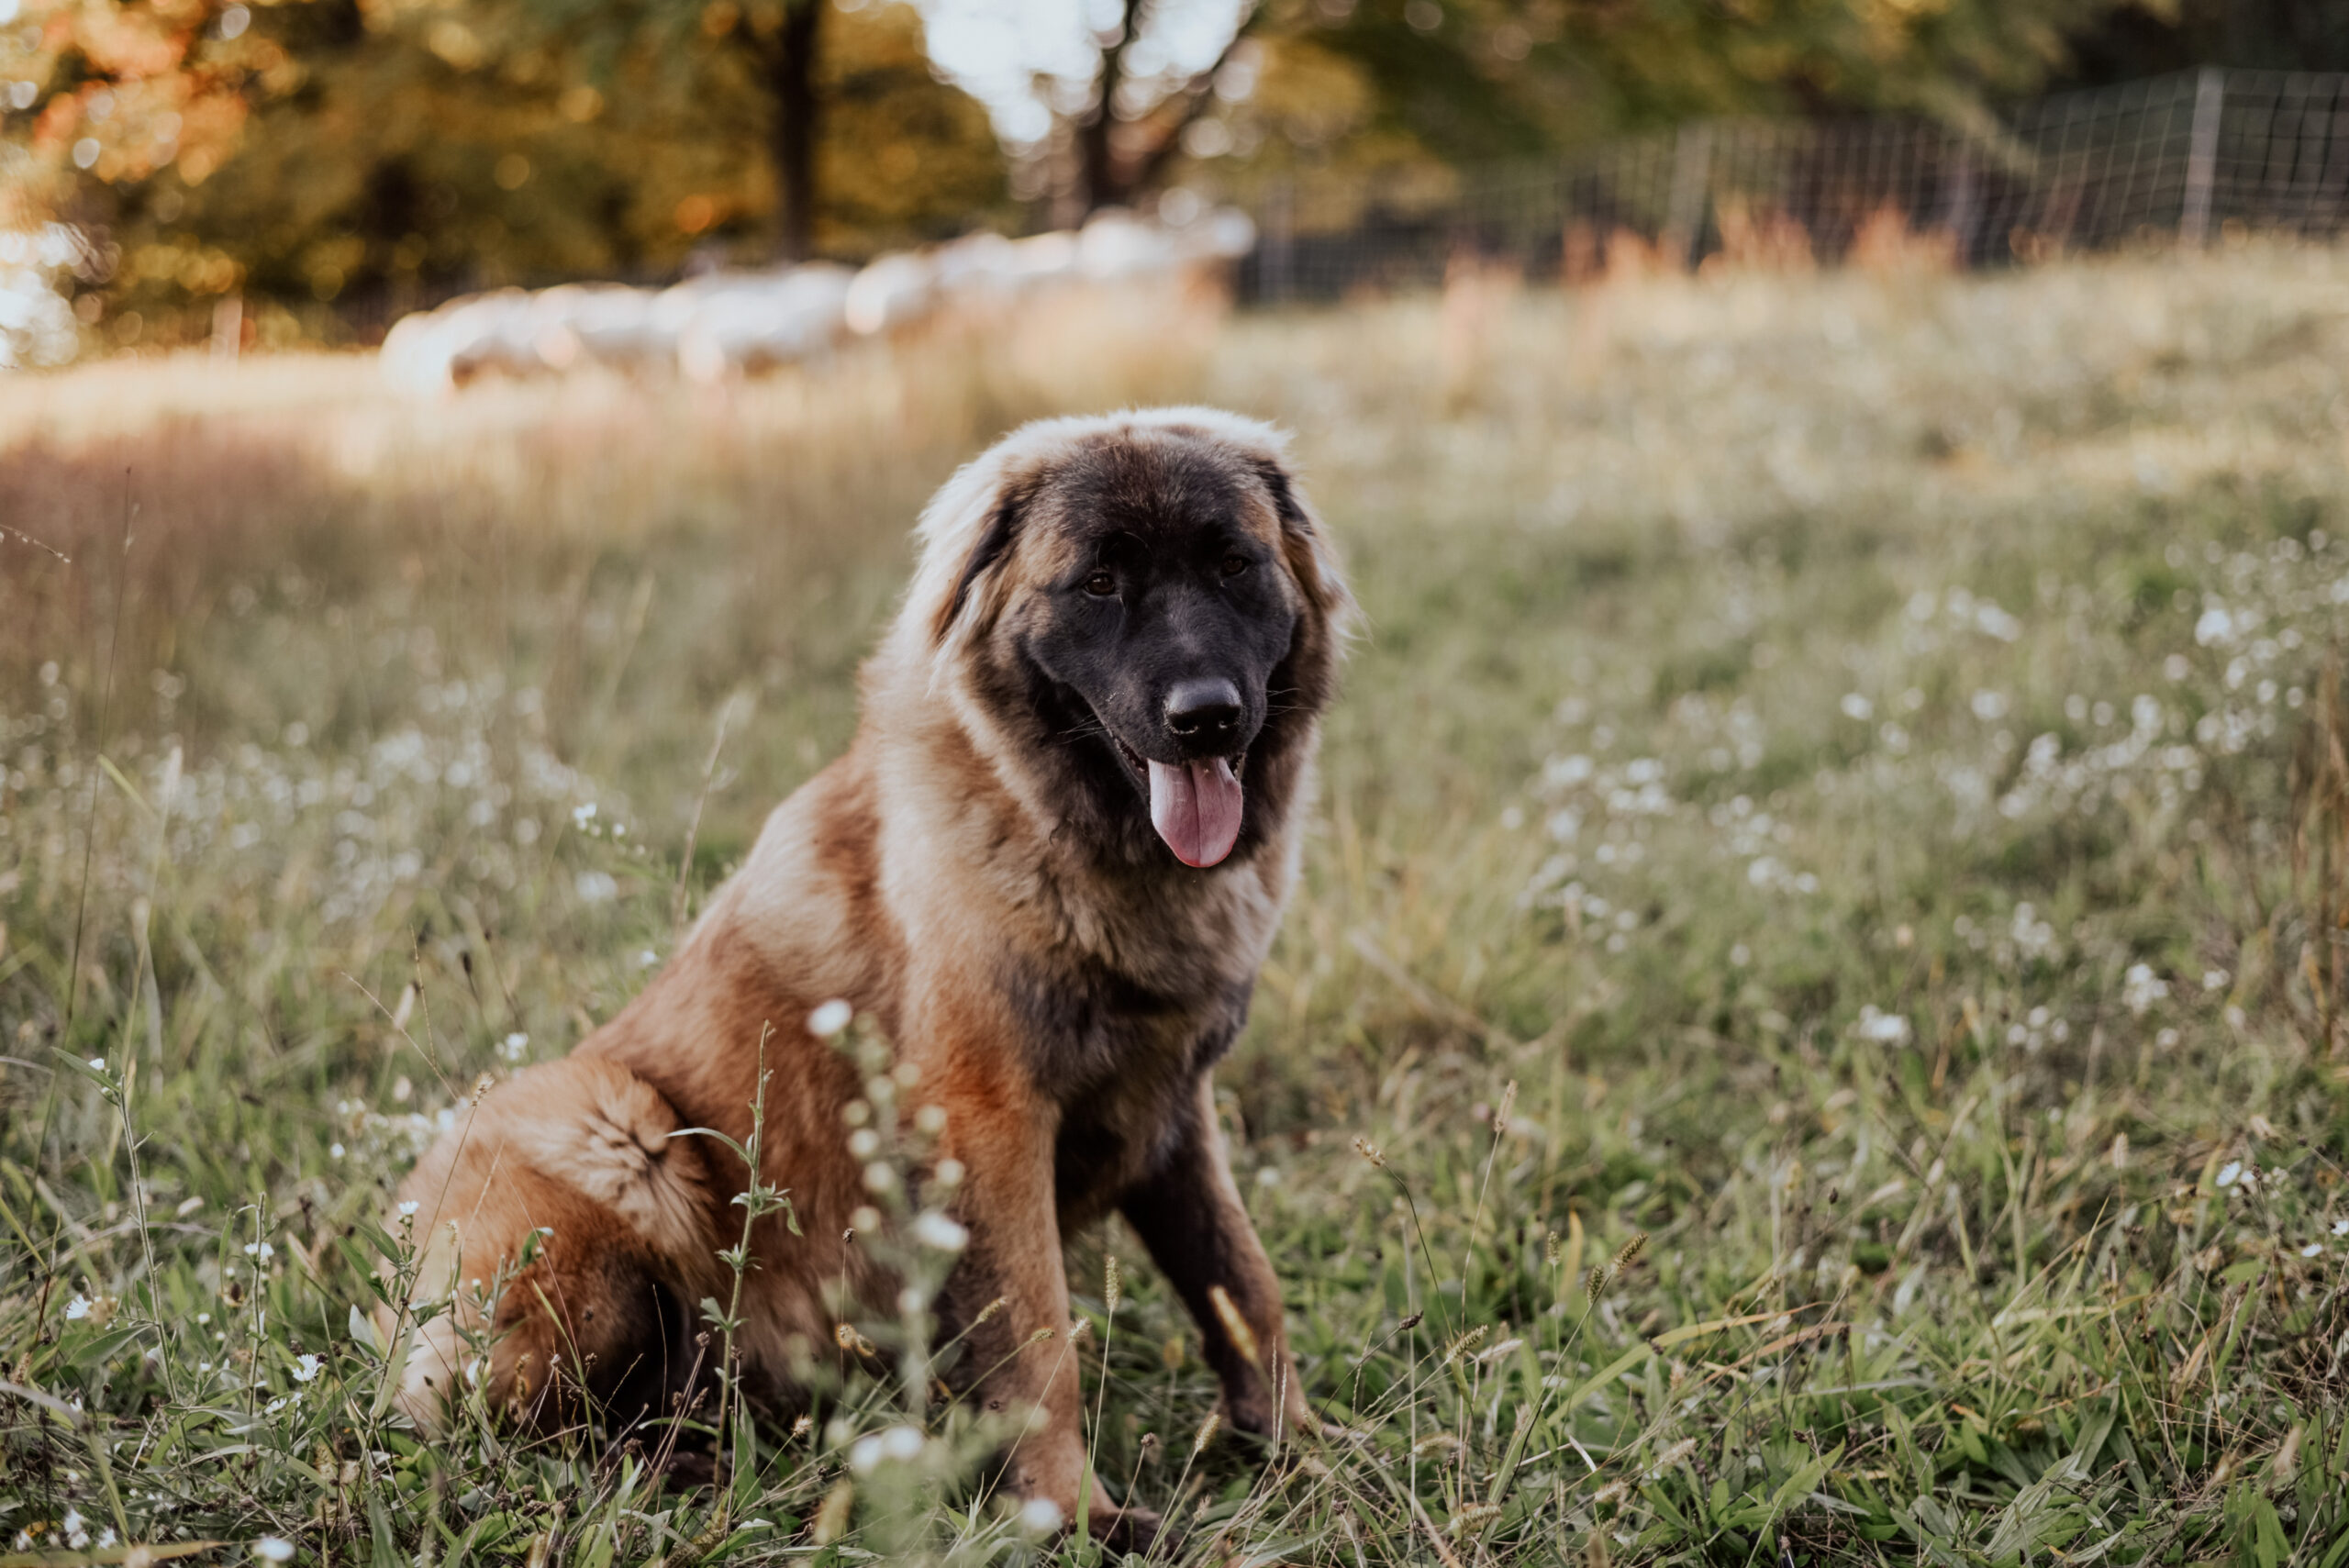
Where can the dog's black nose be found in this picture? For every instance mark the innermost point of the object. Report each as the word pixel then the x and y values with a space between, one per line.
pixel 1203 710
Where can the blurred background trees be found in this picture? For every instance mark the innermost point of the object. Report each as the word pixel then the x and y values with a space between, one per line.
pixel 335 162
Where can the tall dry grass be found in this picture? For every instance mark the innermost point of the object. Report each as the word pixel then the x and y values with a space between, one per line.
pixel 1843 780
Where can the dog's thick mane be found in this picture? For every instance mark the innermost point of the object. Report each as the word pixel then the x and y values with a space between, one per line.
pixel 937 655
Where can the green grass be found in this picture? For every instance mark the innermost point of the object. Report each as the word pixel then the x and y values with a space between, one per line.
pixel 1844 780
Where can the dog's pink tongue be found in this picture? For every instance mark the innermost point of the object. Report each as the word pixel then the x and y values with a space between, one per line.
pixel 1196 808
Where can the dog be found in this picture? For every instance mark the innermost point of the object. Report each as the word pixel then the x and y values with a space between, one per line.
pixel 1048 870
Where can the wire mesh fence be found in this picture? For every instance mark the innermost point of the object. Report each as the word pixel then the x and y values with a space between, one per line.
pixel 2173 160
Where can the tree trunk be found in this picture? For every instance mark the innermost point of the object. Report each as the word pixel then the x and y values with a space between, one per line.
pixel 791 80
pixel 1104 184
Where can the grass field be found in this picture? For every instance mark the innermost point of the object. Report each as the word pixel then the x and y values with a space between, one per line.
pixel 1811 1033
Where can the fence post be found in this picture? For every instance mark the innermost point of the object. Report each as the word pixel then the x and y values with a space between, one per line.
pixel 229 326
pixel 2202 154
pixel 1684 215
pixel 1276 248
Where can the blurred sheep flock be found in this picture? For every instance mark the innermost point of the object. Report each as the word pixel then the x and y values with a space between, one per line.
pixel 724 323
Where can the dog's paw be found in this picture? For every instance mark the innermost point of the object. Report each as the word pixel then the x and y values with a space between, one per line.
pixel 1128 1530
pixel 686 1470
pixel 1258 1428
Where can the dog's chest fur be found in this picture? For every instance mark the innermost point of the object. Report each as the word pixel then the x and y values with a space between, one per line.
pixel 1142 990
pixel 1120 1056
pixel 1121 985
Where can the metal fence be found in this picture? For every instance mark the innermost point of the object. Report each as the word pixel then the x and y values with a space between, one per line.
pixel 2173 160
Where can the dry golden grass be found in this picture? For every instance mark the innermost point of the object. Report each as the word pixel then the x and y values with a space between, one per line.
pixel 1844 780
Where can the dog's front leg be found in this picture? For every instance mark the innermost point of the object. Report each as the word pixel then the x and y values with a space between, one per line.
pixel 1019 1362
pixel 1187 1212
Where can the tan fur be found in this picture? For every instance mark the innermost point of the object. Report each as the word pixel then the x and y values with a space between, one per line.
pixel 932 878
pixel 579 1152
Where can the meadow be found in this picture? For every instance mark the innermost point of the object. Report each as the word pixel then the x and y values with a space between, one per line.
pixel 1810 1032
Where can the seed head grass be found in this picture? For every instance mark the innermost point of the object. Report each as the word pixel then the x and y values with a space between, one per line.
pixel 1810 1031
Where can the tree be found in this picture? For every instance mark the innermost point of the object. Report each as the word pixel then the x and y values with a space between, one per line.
pixel 1402 94
pixel 1474 79
pixel 107 94
pixel 1095 110
pixel 778 47
pixel 392 155
pixel 100 99
pixel 2263 35
pixel 1143 100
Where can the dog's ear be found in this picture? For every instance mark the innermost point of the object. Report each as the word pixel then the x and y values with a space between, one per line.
pixel 1306 548
pixel 967 532
pixel 993 544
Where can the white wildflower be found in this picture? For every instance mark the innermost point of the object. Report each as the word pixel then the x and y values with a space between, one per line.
pixel 830 1019
pixel 269 1549
pixel 934 1229
pixel 2141 989
pixel 513 1046
pixel 1562 773
pixel 2034 937
pixel 305 1367
pixel 1884 1028
pixel 1995 622
pixel 77 1308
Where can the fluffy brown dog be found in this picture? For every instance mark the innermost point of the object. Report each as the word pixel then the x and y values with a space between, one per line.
pixel 1048 869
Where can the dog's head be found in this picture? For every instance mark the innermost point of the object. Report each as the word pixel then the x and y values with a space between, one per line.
pixel 1145 612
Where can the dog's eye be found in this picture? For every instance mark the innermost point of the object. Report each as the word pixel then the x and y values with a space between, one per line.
pixel 1100 585
pixel 1234 565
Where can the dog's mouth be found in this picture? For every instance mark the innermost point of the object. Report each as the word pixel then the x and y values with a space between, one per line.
pixel 1194 805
